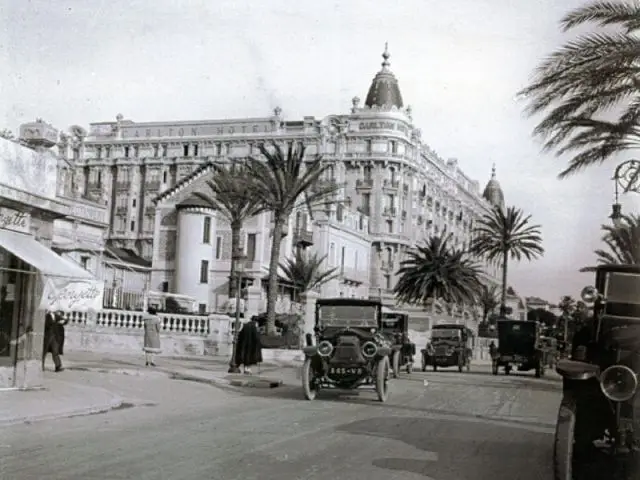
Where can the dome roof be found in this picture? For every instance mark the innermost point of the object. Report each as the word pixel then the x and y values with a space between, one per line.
pixel 193 201
pixel 384 90
pixel 493 192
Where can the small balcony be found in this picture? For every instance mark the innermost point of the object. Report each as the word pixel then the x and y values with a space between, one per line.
pixel 390 184
pixel 121 210
pixel 387 265
pixel 389 212
pixel 303 237
pixel 365 183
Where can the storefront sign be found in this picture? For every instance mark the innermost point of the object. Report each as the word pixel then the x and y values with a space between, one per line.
pixel 34 172
pixel 15 220
pixel 76 295
pixel 88 212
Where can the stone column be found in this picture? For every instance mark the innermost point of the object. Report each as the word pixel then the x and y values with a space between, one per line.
pixel 254 294
pixel 309 308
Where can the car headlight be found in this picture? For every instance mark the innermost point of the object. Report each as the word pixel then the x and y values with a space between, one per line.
pixel 619 383
pixel 369 349
pixel 325 348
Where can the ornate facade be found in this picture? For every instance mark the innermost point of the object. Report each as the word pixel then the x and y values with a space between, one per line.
pixel 394 183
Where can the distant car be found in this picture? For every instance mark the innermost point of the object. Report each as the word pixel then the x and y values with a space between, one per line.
pixel 451 346
pixel 520 345
pixel 395 325
pixel 350 350
pixel 600 407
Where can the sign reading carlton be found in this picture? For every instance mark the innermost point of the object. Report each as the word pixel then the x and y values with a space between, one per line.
pixel 76 295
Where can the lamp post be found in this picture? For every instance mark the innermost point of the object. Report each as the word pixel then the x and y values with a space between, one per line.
pixel 239 270
pixel 627 177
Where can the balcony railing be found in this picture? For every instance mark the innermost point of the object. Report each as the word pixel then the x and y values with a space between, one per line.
pixel 303 237
pixel 364 183
pixel 389 212
pixel 391 184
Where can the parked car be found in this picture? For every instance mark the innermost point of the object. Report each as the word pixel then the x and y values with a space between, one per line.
pixel 598 415
pixel 350 350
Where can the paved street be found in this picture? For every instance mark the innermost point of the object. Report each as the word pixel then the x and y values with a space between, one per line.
pixel 457 427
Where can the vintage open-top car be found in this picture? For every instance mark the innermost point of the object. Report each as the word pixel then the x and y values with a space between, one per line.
pixel 395 327
pixel 451 346
pixel 350 350
pixel 598 416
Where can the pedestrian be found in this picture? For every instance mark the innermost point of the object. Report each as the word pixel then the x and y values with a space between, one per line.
pixel 59 325
pixel 248 347
pixel 151 336
pixel 51 341
pixel 493 350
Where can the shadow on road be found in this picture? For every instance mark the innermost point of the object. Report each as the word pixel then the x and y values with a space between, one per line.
pixel 533 386
pixel 489 452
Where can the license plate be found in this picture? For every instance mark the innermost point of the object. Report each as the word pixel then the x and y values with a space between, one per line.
pixel 345 371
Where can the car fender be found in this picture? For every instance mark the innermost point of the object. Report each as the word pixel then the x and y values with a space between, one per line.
pixel 310 351
pixel 574 370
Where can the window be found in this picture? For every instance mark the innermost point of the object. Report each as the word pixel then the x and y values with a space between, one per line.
pixel 369 146
pixel 185 150
pixel 164 177
pixel 202 308
pixel 251 247
pixel 99 177
pixel 389 226
pixel 155 150
pixel 165 287
pixel 332 253
pixel 342 258
pixel 394 147
pixel 126 152
pixel 107 152
pixel 133 203
pixel 136 151
pixel 218 149
pixel 204 271
pixel 133 225
pixel 367 173
pixel 387 282
pixel 195 150
pixel 206 230
pixel 164 150
pixel 218 248
pixel 99 152
pixel 84 262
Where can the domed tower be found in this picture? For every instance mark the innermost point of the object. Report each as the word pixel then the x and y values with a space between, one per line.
pixel 384 90
pixel 493 192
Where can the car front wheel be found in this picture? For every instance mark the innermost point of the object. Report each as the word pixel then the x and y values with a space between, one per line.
pixel 309 384
pixel 382 376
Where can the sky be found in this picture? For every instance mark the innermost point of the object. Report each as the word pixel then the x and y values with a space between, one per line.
pixel 459 65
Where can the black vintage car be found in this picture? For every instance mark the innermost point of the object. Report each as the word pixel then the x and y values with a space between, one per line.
pixel 451 346
pixel 598 416
pixel 350 350
pixel 519 344
pixel 395 327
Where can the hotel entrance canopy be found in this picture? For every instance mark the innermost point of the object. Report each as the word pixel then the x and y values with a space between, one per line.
pixel 40 257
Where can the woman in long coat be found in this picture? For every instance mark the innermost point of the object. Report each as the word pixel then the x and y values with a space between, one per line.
pixel 151 336
pixel 58 329
pixel 248 348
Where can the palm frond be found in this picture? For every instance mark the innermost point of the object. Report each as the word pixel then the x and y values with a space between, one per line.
pixel 305 271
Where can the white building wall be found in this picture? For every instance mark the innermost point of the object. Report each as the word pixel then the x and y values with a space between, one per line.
pixel 192 251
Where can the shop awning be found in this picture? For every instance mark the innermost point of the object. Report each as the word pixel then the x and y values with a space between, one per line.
pixel 40 257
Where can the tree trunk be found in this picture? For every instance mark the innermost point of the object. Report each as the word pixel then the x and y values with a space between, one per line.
pixel 274 262
pixel 236 228
pixel 503 296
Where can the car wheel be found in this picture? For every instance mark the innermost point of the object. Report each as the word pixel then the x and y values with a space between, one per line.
pixel 382 376
pixel 308 380
pixel 424 363
pixel 409 367
pixel 396 364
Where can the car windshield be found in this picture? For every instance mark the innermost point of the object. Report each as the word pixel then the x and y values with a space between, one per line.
pixel 391 320
pixel 445 334
pixel 348 316
pixel 623 288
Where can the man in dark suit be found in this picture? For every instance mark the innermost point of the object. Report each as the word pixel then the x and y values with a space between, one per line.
pixel 51 341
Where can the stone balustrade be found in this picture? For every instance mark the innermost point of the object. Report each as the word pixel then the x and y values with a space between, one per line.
pixel 118 330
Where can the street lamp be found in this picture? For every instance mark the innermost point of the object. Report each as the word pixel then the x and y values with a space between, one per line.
pixel 627 177
pixel 239 270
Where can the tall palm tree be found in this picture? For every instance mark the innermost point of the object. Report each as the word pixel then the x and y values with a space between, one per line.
pixel 501 235
pixel 233 196
pixel 284 181
pixel 589 76
pixel 623 243
pixel 438 271
pixel 305 271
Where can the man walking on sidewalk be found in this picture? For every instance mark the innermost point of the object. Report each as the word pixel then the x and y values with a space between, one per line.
pixel 51 341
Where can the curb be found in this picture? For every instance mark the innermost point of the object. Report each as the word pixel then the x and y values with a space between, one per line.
pixel 114 403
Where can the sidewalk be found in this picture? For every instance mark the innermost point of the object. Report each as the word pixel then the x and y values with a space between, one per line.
pixel 205 369
pixel 59 399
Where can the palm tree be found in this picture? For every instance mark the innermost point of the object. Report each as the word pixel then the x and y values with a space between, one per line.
pixel 592 75
pixel 304 272
pixel 233 196
pixel 283 182
pixel 437 270
pixel 488 300
pixel 623 243
pixel 501 235
pixel 7 134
